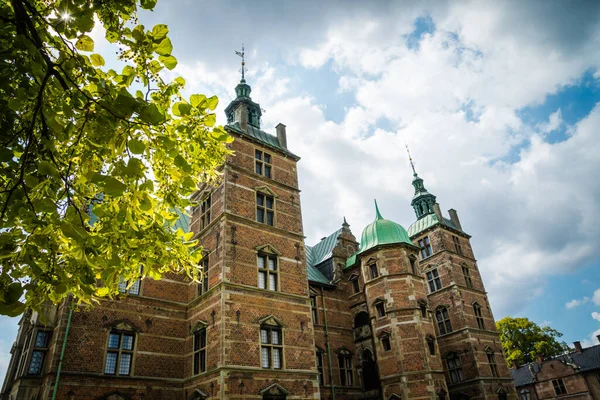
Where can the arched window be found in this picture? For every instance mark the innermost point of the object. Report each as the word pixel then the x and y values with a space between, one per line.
pixel 361 319
pixel 345 366
pixel 443 320
pixel 478 315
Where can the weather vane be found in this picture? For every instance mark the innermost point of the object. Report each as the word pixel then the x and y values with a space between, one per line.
pixel 241 54
pixel 410 159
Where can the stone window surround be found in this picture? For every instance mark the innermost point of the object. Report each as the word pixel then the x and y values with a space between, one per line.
pixel 345 367
pixel 261 165
pixel 122 331
pixel 266 342
pixel 266 195
pixel 37 347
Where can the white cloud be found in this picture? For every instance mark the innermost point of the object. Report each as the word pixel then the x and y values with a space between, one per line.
pixel 596 297
pixel 573 303
pixel 596 316
pixel 591 340
pixel 555 121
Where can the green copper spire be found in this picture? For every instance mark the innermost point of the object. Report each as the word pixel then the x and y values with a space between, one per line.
pixel 382 231
pixel 377 213
pixel 422 201
pixel 242 102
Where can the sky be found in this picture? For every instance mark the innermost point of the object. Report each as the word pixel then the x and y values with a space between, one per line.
pixel 498 102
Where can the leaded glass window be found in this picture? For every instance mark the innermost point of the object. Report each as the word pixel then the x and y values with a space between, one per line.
pixel 119 355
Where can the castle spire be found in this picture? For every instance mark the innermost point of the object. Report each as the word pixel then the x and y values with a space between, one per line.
pixel 377 213
pixel 422 201
pixel 242 54
pixel 411 160
pixel 242 110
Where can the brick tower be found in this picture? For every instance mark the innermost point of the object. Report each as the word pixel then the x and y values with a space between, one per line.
pixel 394 333
pixel 255 300
pixel 466 331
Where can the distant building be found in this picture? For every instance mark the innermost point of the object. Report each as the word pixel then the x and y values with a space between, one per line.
pixel 574 376
pixel 402 314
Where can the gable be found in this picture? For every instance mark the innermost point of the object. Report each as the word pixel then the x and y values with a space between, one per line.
pixel 270 320
pixel 267 248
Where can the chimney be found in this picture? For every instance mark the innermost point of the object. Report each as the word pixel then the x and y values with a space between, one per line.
pixel 454 218
pixel 437 211
pixel 241 116
pixel 281 136
pixel 598 337
pixel 577 347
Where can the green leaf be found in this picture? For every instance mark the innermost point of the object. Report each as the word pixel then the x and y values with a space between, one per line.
pixel 148 4
pixel 114 187
pixel 14 293
pixel 169 61
pixel 152 115
pixel 160 31
pixel 197 100
pixel 210 119
pixel 111 36
pixel 61 288
pixel 47 168
pixel 6 154
pixel 164 48
pixel 212 102
pixel 138 32
pixel 12 310
pixel 145 203
pixel 135 168
pixel 97 60
pixel 14 104
pixel 182 163
pixel 155 66
pixel 136 146
pixel 85 43
pixel 181 108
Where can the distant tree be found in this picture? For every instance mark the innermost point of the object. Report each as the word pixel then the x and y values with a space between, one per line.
pixel 74 135
pixel 523 340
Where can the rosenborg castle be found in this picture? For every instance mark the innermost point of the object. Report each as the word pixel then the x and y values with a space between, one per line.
pixel 386 313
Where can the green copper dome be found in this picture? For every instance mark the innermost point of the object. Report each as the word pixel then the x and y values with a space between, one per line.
pixel 382 231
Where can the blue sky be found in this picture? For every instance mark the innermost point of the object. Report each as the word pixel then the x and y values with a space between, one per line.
pixel 498 102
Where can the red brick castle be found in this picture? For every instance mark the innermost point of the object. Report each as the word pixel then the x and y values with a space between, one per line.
pixel 400 314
